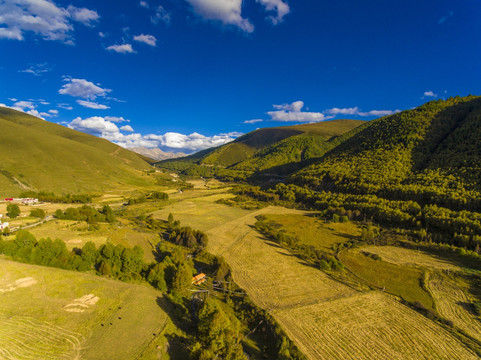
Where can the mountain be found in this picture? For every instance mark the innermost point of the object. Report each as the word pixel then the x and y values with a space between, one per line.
pixel 43 156
pixel 431 151
pixel 265 149
pixel 157 154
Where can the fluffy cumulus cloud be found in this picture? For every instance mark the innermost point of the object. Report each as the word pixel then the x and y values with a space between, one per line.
pixel 279 7
pixel 95 125
pixel 83 89
pixel 30 107
pixel 146 39
pixel 358 112
pixel 92 105
pixel 85 16
pixel 122 49
pixel 293 112
pixel 193 142
pixel 229 12
pixel 430 94
pixel 126 136
pixel 127 128
pixel 43 18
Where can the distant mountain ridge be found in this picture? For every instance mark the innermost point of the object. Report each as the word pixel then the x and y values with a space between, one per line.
pixel 156 153
pixel 42 156
pixel 265 148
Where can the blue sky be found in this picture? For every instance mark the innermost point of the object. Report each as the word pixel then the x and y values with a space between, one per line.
pixel 184 75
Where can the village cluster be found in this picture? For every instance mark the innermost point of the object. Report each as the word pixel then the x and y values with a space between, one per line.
pixel 24 201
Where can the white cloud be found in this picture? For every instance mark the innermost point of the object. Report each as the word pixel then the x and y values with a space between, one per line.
pixel 122 49
pixel 54 112
pixel 92 105
pixel 160 15
pixel 293 112
pixel 144 4
pixel 41 17
pixel 65 106
pixel 102 35
pixel 95 125
pixel 430 94
pixel 193 142
pixel 83 15
pixel 127 128
pixel 116 119
pixel 147 39
pixel 24 105
pixel 37 69
pixel 82 88
pixel 278 6
pixel 253 121
pixel 229 12
pixel 356 111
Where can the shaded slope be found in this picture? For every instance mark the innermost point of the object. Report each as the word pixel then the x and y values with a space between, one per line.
pixel 40 155
pixel 434 149
pixel 268 148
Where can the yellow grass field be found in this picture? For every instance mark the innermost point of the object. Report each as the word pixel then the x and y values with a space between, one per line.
pixel 313 231
pixel 48 313
pixel 401 256
pixel 369 326
pixel 325 318
pixel 453 303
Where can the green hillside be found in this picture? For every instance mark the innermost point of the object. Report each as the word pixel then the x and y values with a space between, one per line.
pixel 39 155
pixel 433 150
pixel 270 149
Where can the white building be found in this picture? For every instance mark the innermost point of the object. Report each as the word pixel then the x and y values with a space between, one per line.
pixel 3 226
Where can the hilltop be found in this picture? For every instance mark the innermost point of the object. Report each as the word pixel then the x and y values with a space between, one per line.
pixel 264 149
pixel 40 155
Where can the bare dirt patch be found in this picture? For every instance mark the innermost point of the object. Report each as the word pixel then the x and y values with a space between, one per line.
pixel 20 283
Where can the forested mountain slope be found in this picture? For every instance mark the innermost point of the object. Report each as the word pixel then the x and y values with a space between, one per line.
pixel 433 151
pixel 39 155
pixel 265 149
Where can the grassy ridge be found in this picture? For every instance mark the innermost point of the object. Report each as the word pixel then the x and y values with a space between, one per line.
pixel 40 155
pixel 266 149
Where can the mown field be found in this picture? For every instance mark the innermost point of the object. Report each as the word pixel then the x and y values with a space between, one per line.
pixel 314 231
pixel 324 317
pixel 48 313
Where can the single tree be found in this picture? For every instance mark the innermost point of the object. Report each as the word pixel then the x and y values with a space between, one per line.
pixel 13 211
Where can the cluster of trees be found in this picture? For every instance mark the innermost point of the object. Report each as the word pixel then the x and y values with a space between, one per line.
pixel 87 213
pixel 188 237
pixel 155 195
pixel 61 199
pixel 38 213
pixel 309 253
pixel 461 228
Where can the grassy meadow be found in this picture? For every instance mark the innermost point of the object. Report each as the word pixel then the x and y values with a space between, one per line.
pixel 70 315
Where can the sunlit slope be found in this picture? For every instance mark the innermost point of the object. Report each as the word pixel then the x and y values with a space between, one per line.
pixel 436 146
pixel 40 155
pixel 270 147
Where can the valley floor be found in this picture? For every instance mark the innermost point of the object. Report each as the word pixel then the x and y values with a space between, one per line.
pixel 325 318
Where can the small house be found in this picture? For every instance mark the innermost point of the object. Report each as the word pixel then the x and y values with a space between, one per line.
pixel 199 279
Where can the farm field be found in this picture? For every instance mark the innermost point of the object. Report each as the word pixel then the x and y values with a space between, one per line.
pixel 314 231
pixel 402 256
pixel 306 301
pixel 369 326
pixel 74 234
pixel 454 303
pixel 403 281
pixel 70 315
